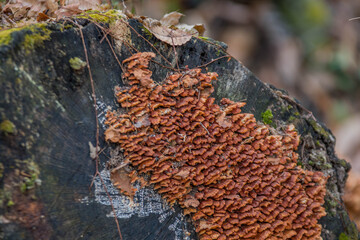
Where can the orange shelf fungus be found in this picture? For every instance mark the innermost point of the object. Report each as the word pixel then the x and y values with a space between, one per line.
pixel 230 174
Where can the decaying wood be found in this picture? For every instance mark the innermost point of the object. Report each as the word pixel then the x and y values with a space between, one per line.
pixel 47 120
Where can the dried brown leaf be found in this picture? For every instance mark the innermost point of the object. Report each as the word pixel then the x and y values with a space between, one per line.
pixel 68 10
pixel 31 8
pixel 93 150
pixel 223 122
pixel 191 202
pixel 85 4
pixel 200 28
pixel 73 7
pixel 144 76
pixel 122 181
pixel 175 37
pixel 171 19
pixel 42 17
pixel 143 121
pixel 183 173
pixel 52 6
pixel 194 30
pixel 205 225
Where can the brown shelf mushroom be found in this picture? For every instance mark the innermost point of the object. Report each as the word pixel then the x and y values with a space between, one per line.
pixel 230 174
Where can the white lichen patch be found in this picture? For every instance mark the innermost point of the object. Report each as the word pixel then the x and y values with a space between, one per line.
pixel 146 201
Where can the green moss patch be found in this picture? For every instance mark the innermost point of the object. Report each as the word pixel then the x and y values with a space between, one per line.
pixel 267 117
pixel 319 129
pixel 32 178
pixel 39 34
pixel 102 17
pixel 77 64
pixel 7 127
pixel 5 35
pixel 35 35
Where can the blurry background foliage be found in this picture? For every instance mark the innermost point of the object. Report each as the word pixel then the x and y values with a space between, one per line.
pixel 308 47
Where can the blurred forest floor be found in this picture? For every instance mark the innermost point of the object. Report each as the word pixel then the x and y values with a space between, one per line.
pixel 307 47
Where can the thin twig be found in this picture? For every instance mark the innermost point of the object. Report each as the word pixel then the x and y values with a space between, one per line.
pixel 128 45
pixel 171 68
pixel 176 56
pixel 97 173
pixel 151 60
pixel 218 47
pixel 147 41
pixel 292 101
pixel 205 128
pixel 355 18
pixel 112 49
pixel 214 60
pixel 214 44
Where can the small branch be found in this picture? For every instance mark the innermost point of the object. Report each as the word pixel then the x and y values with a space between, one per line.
pixel 112 49
pixel 97 173
pixel 214 60
pixel 139 35
pixel 355 18
pixel 176 56
pixel 205 128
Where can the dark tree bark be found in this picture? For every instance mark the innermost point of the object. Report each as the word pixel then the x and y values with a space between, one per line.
pixel 47 121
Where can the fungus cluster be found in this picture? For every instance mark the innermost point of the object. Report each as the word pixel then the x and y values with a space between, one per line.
pixel 233 177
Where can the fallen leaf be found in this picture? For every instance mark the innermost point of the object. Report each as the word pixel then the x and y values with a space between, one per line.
pixel 85 4
pixel 93 150
pixel 221 120
pixel 52 6
pixel 122 181
pixel 31 8
pixel 200 28
pixel 42 17
pixel 144 76
pixel 175 37
pixel 188 81
pixel 183 173
pixel 191 202
pixel 194 30
pixel 143 121
pixel 171 19
pixel 273 161
pixel 68 10
pixel 205 225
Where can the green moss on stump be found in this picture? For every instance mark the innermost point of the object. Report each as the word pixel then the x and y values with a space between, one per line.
pixel 147 32
pixel 343 236
pixel 319 129
pixel 7 127
pixel 77 64
pixel 35 36
pixel 267 117
pixel 5 35
pixel 10 203
pixel 102 17
pixel 344 163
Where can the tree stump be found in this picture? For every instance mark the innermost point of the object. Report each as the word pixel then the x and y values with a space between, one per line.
pixel 47 120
